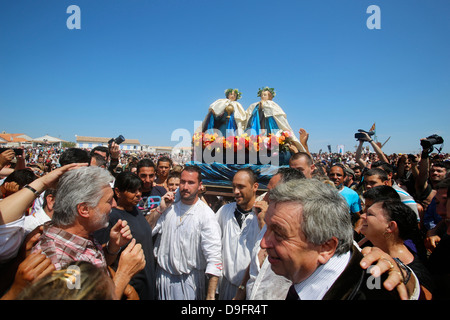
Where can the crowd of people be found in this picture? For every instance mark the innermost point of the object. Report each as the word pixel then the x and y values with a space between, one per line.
pixel 101 224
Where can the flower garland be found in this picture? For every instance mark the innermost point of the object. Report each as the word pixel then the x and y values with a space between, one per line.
pixel 236 92
pixel 271 90
pixel 251 143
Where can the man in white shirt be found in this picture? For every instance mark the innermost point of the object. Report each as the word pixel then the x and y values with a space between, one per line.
pixel 188 245
pixel 240 228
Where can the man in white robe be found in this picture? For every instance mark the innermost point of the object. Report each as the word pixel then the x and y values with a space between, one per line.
pixel 238 237
pixel 188 246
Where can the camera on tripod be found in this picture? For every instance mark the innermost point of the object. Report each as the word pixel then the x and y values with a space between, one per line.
pixel 361 136
pixel 430 141
pixel 117 140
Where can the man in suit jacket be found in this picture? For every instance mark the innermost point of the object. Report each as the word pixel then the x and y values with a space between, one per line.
pixel 309 240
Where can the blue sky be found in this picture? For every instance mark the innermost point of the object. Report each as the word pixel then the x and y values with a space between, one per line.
pixel 146 68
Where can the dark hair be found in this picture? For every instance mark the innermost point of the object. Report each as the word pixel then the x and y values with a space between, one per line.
pixel 164 159
pixel 22 177
pixel 441 164
pixel 406 220
pixel 302 154
pixel 193 169
pixel 74 155
pixel 101 149
pixel 288 174
pixel 99 160
pixel 127 181
pixel 174 174
pixel 340 166
pixel 377 172
pixel 145 163
pixel 381 193
pixel 383 166
pixel 253 176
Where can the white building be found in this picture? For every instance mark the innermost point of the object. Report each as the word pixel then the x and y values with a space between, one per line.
pixel 47 141
pixel 92 142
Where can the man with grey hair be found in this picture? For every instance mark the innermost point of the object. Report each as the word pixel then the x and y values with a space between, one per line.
pixel 309 240
pixel 82 206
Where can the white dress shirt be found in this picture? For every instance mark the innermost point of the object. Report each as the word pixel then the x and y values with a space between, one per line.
pixel 317 284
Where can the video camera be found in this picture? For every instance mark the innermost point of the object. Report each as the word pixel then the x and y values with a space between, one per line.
pixel 431 141
pixel 360 134
pixel 117 140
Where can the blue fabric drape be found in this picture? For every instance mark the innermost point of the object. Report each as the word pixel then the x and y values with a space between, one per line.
pixel 220 123
pixel 254 124
pixel 210 121
pixel 220 174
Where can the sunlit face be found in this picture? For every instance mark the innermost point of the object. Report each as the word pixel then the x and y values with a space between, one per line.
pixel 373 181
pixel 336 175
pixel 173 184
pixel 301 164
pixel 189 187
pixel 99 215
pixel 243 190
pixel 289 254
pixel 272 184
pixel 357 174
pixel 147 175
pixel 437 173
pixel 128 198
pixel 407 164
pixel 163 169
pixel 374 222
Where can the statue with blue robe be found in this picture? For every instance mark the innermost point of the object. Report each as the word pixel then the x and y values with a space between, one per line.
pixel 267 117
pixel 226 115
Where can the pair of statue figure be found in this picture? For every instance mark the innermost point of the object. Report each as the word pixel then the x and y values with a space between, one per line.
pixel 263 117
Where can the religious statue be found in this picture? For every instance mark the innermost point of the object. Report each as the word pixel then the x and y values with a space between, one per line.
pixel 267 117
pixel 226 114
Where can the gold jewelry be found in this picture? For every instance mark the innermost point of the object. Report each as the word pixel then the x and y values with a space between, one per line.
pixel 179 207
pixel 390 263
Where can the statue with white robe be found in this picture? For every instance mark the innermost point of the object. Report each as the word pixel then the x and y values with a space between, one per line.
pixel 267 117
pixel 226 114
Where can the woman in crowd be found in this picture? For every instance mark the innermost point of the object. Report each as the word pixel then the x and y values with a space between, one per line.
pixel 387 224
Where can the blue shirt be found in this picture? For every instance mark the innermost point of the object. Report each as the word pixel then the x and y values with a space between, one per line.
pixel 352 198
